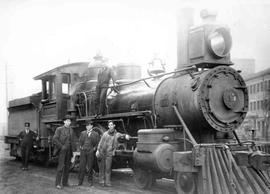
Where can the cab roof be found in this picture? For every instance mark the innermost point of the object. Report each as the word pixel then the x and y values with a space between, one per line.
pixel 78 67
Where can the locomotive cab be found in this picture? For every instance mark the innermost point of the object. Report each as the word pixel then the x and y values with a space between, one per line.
pixel 57 89
pixel 58 86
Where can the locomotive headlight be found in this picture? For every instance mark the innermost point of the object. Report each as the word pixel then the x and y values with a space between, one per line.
pixel 220 42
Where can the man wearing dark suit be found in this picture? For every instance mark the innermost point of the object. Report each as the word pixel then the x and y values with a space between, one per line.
pixel 88 143
pixel 64 142
pixel 26 138
pixel 105 74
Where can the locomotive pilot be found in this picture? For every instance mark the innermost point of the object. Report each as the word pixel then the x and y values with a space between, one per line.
pixel 105 152
pixel 105 74
pixel 88 142
pixel 26 138
pixel 63 140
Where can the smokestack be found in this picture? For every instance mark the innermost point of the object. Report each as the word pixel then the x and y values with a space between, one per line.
pixel 184 22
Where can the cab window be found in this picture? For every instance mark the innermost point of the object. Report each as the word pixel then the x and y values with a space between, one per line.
pixel 49 88
pixel 65 83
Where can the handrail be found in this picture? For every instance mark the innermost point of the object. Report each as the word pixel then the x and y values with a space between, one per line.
pixel 159 75
pixel 86 107
pixel 185 126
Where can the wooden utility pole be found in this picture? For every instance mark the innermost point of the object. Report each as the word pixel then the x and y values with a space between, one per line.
pixel 6 85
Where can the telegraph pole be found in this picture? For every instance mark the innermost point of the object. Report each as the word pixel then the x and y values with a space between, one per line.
pixel 6 84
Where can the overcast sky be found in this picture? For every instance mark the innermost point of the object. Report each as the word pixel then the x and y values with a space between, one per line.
pixel 37 35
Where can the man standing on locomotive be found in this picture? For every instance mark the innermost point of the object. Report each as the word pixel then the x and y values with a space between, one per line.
pixel 64 144
pixel 88 142
pixel 26 138
pixel 106 150
pixel 105 74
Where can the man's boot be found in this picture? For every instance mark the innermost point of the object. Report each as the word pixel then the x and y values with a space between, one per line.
pixel 108 180
pixel 101 172
pixel 101 179
pixel 90 181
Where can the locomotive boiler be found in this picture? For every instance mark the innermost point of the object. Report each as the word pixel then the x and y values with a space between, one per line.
pixel 210 101
pixel 182 123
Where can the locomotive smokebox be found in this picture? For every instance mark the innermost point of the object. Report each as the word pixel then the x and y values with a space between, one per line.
pixel 209 101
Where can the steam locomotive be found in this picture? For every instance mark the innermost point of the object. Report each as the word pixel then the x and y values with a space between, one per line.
pixel 182 123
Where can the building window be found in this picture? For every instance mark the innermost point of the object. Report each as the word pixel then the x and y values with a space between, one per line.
pixel 258 87
pixel 259 125
pixel 261 86
pixel 265 104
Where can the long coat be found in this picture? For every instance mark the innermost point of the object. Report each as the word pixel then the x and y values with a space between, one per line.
pixel 63 137
pixel 64 142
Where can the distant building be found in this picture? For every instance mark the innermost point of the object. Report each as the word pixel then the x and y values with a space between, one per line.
pixel 247 66
pixel 258 117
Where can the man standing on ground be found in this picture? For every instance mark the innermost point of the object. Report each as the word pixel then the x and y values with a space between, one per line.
pixel 63 140
pixel 88 143
pixel 105 152
pixel 26 138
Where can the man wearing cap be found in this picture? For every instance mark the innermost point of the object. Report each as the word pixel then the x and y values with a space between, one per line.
pixel 26 138
pixel 63 140
pixel 88 142
pixel 106 150
pixel 105 74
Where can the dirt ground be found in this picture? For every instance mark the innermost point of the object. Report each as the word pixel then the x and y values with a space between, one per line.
pixel 41 180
